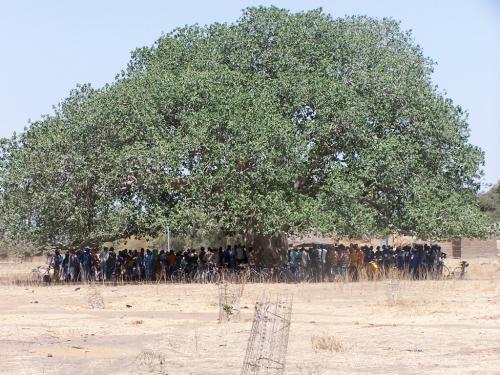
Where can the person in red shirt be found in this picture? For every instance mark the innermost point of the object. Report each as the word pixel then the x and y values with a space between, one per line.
pixel 171 262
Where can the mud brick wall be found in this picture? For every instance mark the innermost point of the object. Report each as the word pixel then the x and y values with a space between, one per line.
pixel 470 248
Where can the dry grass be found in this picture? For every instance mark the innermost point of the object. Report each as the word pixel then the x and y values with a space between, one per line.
pixel 483 268
pixel 328 343
pixel 432 324
pixel 152 362
pixel 356 331
pixel 95 299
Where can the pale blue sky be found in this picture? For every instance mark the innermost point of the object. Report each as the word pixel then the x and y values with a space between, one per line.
pixel 50 46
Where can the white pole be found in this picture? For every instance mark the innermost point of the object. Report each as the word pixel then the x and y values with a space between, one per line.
pixel 168 239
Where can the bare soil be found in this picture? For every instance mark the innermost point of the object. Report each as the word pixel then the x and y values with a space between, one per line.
pixel 434 327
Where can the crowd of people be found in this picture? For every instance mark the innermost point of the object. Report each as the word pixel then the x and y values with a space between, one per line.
pixel 353 261
pixel 313 263
pixel 141 265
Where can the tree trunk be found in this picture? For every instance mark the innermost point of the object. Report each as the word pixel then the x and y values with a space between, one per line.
pixel 267 250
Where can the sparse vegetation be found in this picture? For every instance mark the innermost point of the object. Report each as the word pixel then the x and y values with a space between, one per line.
pixel 95 299
pixel 349 321
pixel 228 309
pixel 490 203
pixel 19 250
pixel 328 343
pixel 151 362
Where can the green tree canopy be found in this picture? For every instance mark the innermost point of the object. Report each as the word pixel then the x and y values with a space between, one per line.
pixel 490 203
pixel 277 123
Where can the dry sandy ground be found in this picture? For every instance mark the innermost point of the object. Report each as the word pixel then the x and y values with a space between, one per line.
pixel 436 327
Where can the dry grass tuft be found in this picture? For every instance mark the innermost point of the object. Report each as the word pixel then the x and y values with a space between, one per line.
pixel 151 362
pixel 328 343
pixel 95 299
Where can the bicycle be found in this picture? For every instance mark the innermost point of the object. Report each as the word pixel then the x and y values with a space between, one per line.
pixel 178 276
pixel 441 271
pixel 212 275
pixel 39 275
pixel 266 274
pixel 293 273
pixel 460 271
pixel 209 274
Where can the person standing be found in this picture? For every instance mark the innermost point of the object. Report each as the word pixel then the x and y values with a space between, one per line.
pixel 111 264
pixel 353 263
pixel 86 265
pixel 202 258
pixel 304 256
pixel 103 260
pixel 314 262
pixel 361 261
pixel 55 262
pixel 171 262
pixel 148 265
pixel 239 254
pixel 65 267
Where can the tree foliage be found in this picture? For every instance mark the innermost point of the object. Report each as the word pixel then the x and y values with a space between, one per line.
pixel 490 203
pixel 277 123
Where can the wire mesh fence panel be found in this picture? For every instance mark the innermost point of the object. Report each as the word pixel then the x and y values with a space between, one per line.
pixel 95 299
pixel 268 342
pixel 229 302
pixel 393 289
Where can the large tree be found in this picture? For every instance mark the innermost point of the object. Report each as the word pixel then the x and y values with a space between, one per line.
pixel 278 123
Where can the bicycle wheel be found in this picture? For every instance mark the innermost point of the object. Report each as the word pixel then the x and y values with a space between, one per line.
pixel 265 275
pixel 256 277
pixel 231 277
pixel 197 277
pixel 213 277
pixel 301 275
pixel 458 273
pixel 445 272
pixel 178 276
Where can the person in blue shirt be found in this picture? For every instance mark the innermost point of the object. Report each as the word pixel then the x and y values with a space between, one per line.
pixel 148 264
pixel 86 265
